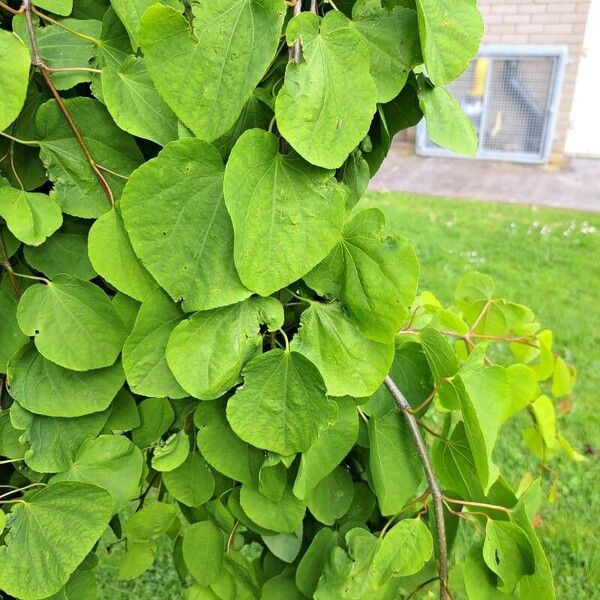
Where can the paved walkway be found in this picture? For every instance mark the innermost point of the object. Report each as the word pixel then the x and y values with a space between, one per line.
pixel 575 184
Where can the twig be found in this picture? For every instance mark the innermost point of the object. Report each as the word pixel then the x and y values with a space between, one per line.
pixel 295 51
pixel 74 32
pixel 11 10
pixel 434 486
pixel 480 504
pixel 9 270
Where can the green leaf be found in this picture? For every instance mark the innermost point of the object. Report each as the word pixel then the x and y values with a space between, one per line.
pixel 11 336
pixel 310 566
pixel 113 258
pixel 53 442
pixel 78 190
pixel 286 213
pixel 175 215
pixel 74 323
pixel 54 528
pixel 195 348
pixel 30 217
pixel 374 276
pixel 282 405
pixel 60 48
pixel 59 7
pixel 283 516
pixel 563 378
pixel 63 252
pixel 137 559
pixel 224 59
pixel 14 77
pixel 522 389
pixel 192 483
pixel 395 468
pixel 44 388
pixel 172 453
pixel 332 496
pixel 404 550
pixel 351 364
pixel 124 415
pixel 329 449
pixel 114 46
pixel 134 103
pixel 447 124
pixel 150 522
pixel 508 552
pixel 545 417
pixel 285 546
pixel 130 12
pixel 111 462
pixel 326 104
pixel 354 173
pixel 222 448
pixel 480 582
pixel 127 308
pixel 450 32
pixel 156 416
pixel 203 549
pixel 144 352
pixel 281 587
pixel 393 41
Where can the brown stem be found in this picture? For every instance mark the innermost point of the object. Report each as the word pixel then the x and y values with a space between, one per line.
pixel 295 51
pixel 8 268
pixel 434 486
pixel 37 61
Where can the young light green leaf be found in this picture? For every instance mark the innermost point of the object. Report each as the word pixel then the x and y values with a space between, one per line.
pixel 297 212
pixel 150 522
pixel 563 378
pixel 192 483
pixel 14 77
pixel 447 124
pixel 283 516
pixel 111 462
pixel 195 347
pixel 203 549
pixel 113 258
pixel 395 466
pixel 172 453
pixel 221 63
pixel 404 550
pixel 393 41
pixel 222 448
pixel 63 252
pixel 53 442
pixel 374 276
pixel 156 416
pixel 54 528
pixel 175 215
pixel 44 388
pixel 144 352
pixel 329 449
pixel 351 364
pixel 545 417
pixel 134 103
pixel 508 552
pixel 282 405
pixel 327 102
pixel 137 559
pixel 30 217
pixel 450 33
pixel 73 323
pixel 332 496
pixel 78 191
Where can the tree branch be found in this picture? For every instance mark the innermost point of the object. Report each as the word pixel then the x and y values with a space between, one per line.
pixel 8 268
pixel 434 486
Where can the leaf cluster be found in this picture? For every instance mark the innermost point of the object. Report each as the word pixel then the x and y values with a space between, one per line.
pixel 197 314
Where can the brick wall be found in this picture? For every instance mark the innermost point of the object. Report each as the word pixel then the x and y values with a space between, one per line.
pixel 541 22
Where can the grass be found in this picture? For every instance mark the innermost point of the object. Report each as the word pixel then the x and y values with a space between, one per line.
pixel 548 259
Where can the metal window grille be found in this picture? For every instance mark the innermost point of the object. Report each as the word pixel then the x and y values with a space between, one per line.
pixel 511 95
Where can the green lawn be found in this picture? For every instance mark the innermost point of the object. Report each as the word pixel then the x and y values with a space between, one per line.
pixel 548 259
pixel 545 258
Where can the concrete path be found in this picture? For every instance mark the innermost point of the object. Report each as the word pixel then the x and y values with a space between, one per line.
pixel 575 184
